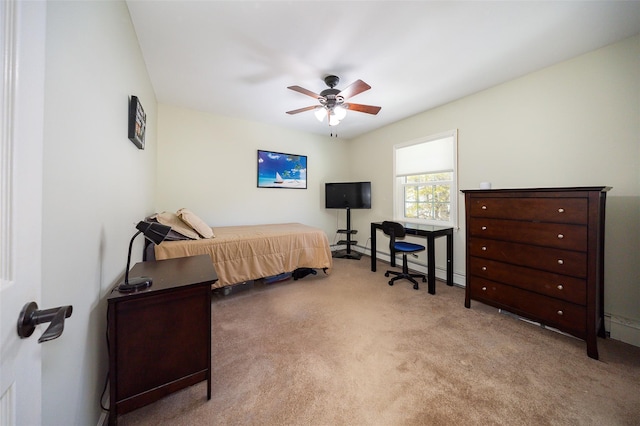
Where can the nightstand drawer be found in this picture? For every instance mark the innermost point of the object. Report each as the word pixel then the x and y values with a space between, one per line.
pixel 547 310
pixel 555 285
pixel 563 262
pixel 558 210
pixel 559 235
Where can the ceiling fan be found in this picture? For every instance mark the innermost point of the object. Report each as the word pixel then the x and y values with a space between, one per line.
pixel 333 102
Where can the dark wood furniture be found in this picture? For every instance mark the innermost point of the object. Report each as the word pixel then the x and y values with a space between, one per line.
pixel 430 232
pixel 160 338
pixel 539 253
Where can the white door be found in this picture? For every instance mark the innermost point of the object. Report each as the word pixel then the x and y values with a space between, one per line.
pixel 22 45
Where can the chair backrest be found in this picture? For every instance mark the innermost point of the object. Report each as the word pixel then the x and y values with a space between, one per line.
pixel 393 230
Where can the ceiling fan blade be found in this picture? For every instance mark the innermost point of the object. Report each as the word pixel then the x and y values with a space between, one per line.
pixel 369 109
pixel 354 88
pixel 309 108
pixel 304 91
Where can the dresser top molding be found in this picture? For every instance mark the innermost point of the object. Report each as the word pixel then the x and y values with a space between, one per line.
pixel 555 189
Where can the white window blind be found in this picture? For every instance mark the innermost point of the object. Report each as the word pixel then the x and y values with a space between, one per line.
pixel 425 180
pixel 433 156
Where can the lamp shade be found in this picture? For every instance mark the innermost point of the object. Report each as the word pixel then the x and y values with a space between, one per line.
pixel 153 231
pixel 340 112
pixel 320 113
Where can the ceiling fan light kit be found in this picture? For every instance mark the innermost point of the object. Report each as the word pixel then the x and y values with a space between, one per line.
pixel 332 101
pixel 335 114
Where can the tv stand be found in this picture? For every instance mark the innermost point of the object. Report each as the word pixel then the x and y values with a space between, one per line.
pixel 347 253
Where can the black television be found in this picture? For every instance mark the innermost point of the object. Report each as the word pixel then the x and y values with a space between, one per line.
pixel 347 195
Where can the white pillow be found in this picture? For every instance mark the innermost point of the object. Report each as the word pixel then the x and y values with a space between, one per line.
pixel 199 225
pixel 176 224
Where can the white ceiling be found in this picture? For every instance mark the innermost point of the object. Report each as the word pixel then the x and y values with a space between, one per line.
pixel 236 58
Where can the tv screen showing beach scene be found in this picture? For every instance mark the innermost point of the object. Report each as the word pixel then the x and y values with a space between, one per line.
pixel 280 170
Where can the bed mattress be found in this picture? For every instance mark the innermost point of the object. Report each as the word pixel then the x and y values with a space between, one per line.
pixel 242 253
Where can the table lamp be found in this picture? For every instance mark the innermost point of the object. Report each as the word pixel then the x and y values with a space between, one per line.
pixel 154 232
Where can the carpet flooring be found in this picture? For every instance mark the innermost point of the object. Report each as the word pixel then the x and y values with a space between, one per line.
pixel 348 349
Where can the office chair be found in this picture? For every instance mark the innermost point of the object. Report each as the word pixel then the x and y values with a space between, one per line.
pixel 395 230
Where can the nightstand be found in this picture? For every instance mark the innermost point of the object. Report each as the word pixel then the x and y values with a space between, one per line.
pixel 160 337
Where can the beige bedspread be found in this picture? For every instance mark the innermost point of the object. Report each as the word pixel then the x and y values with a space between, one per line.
pixel 241 253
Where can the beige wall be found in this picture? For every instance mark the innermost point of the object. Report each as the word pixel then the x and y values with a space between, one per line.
pixel 97 185
pixel 573 124
pixel 208 164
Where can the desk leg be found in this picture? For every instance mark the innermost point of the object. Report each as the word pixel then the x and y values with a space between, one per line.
pixel 450 259
pixel 373 248
pixel 431 267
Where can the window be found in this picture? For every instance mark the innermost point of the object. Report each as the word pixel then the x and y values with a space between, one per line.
pixel 426 186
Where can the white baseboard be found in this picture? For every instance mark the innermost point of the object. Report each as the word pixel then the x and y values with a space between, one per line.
pixel 104 416
pixel 623 329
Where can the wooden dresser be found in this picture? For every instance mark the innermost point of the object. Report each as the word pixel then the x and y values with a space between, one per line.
pixel 539 253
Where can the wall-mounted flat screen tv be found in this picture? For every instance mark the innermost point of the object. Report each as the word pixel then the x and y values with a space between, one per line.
pixel 351 195
pixel 280 170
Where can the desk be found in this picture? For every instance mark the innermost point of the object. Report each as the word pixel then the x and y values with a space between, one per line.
pixel 160 337
pixel 430 232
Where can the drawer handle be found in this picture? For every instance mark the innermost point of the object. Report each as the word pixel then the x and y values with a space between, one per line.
pixel 484 228
pixel 484 268
pixel 484 248
pixel 560 262
pixel 484 289
pixel 560 287
pixel 560 313
pixel 484 207
pixel 560 210
pixel 560 236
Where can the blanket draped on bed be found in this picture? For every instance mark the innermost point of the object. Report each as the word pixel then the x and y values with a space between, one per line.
pixel 242 253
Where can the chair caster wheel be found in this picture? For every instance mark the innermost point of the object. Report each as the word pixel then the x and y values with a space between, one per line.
pixel 390 282
pixel 424 280
pixel 386 274
pixel 415 286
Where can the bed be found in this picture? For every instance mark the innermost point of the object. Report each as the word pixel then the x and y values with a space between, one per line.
pixel 244 253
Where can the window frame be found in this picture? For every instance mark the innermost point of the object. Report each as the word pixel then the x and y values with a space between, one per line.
pixel 398 187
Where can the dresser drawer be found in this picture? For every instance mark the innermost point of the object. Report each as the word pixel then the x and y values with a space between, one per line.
pixel 559 235
pixel 555 285
pixel 559 261
pixel 559 210
pixel 547 310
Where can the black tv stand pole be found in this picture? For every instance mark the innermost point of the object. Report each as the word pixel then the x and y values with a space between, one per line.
pixel 347 253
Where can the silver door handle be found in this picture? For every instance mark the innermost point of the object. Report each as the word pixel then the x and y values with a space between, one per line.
pixel 30 316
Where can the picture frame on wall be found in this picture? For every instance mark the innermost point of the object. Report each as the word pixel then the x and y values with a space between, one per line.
pixel 137 122
pixel 281 170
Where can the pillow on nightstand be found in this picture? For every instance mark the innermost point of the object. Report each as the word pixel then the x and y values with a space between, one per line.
pixel 176 224
pixel 199 225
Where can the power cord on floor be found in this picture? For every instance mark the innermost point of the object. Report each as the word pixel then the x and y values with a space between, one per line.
pixel 106 379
